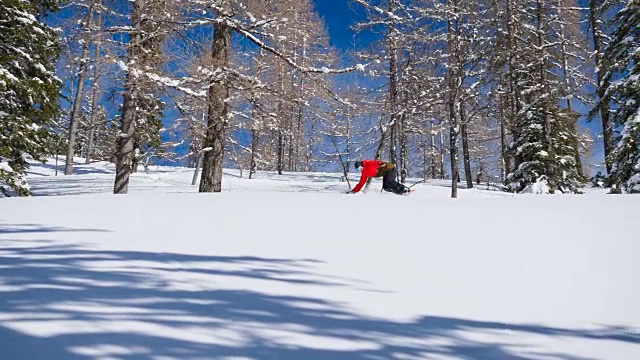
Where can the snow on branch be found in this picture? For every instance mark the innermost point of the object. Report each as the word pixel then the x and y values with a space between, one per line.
pixel 292 63
pixel 379 10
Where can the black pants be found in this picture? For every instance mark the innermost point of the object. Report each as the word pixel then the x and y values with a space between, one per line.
pixel 390 184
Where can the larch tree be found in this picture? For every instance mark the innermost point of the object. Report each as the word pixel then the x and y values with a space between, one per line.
pixel 74 118
pixel 231 17
pixel 95 87
pixel 141 108
pixel 383 16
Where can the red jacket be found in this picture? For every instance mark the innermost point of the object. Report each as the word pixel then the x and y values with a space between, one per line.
pixel 369 169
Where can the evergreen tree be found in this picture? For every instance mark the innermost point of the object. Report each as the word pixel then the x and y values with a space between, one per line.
pixel 540 160
pixel 29 89
pixel 147 140
pixel 543 136
pixel 621 60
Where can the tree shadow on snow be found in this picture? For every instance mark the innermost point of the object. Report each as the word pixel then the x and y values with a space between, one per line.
pixel 79 168
pixel 68 302
pixel 72 185
pixel 35 228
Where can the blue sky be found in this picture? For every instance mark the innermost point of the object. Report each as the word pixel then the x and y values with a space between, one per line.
pixel 339 15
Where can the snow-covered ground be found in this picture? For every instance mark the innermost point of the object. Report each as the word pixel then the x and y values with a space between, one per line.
pixel 288 267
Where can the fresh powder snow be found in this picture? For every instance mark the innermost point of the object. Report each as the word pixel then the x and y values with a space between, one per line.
pixel 289 267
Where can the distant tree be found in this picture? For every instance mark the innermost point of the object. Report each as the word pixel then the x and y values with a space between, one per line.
pixel 29 89
pixel 74 118
pixel 95 88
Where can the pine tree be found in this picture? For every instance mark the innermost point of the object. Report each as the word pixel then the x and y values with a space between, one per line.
pixel 29 89
pixel 540 160
pixel 598 35
pixel 621 60
pixel 543 142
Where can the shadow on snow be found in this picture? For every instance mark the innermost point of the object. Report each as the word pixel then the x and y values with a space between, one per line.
pixel 136 311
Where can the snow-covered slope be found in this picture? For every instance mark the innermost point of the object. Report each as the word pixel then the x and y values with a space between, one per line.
pixel 289 267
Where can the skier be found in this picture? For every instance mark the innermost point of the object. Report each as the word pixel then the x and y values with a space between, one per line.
pixel 379 168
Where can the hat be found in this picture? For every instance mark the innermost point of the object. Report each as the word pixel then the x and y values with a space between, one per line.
pixel 357 164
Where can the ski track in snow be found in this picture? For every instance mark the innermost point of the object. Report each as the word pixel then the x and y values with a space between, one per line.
pixel 288 267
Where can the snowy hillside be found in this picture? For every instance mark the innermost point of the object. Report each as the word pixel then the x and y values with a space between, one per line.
pixel 288 267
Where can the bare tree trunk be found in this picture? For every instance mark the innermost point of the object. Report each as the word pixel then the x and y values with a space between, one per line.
pixel 432 151
pixel 300 109
pixel 95 87
pixel 504 158
pixel 124 151
pixel 281 121
pixel 453 144
pixel 607 129
pixel 393 85
pixel 453 102
pixel 425 168
pixel 217 111
pixel 77 101
pixel 280 151
pixel 404 151
pixel 254 149
pixel 480 171
pixel 198 160
pixel 291 146
pixel 299 136
pixel 383 135
pixel 310 150
pixel 135 159
pixel 442 155
pixel 465 149
pixel 513 103
pixel 194 155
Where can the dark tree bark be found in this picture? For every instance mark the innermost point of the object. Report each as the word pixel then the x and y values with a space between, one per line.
pixel 280 151
pixel 404 150
pixel 95 88
pixel 254 149
pixel 432 151
pixel 504 155
pixel 603 108
pixel 383 135
pixel 217 111
pixel 453 105
pixel 124 151
pixel 77 101
pixel 281 121
pixel 465 148
pixel 393 85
